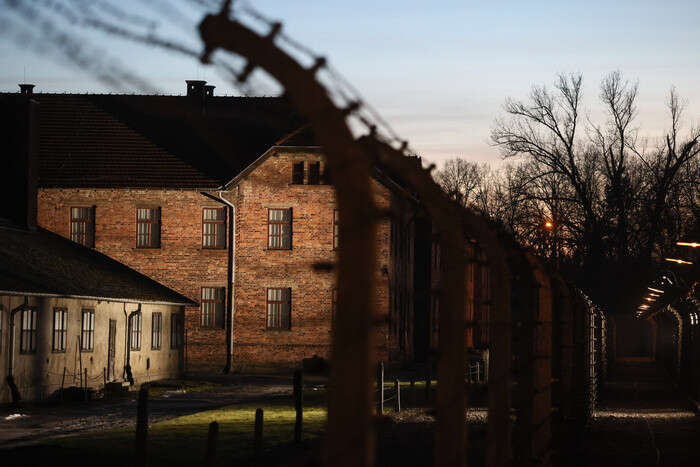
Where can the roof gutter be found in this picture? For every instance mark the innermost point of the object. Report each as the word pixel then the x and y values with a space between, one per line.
pixel 230 273
pixel 91 297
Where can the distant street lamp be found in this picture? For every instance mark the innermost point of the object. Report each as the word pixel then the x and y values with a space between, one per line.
pixel 655 290
pixel 690 244
pixel 679 261
pixel 549 225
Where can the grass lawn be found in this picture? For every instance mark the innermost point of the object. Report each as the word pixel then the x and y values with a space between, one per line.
pixel 182 440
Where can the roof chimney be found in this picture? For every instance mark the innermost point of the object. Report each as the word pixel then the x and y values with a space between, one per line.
pixel 26 89
pixel 209 90
pixel 195 88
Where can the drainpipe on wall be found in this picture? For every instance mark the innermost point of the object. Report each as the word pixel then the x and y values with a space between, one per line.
pixel 230 273
pixel 11 357
pixel 127 364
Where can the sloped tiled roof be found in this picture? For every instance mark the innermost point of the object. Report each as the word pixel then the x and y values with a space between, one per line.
pixel 137 141
pixel 43 262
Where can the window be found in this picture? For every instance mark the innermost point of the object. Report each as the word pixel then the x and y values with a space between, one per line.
pixel 279 229
pixel 28 331
pixel 87 331
pixel 177 331
pixel 148 228
pixel 156 331
pixel 314 173
pixel 336 229
pixel 213 307
pixel 279 308
pixel 298 173
pixel 82 225
pixel 214 228
pixel 60 327
pixel 135 326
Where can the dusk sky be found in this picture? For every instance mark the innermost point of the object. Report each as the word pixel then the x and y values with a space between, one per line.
pixel 439 72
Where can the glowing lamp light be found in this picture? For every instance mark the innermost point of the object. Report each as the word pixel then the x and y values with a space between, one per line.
pixel 679 261
pixel 643 307
pixel 655 290
pixel 548 224
pixel 690 244
pixel 649 299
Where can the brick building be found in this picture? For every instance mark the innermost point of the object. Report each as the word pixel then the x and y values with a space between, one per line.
pixel 70 315
pixel 225 200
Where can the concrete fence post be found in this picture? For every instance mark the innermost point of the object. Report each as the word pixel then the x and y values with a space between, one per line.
pixel 212 437
pixel 397 394
pixel 298 405
pixel 142 427
pixel 380 388
pixel 258 433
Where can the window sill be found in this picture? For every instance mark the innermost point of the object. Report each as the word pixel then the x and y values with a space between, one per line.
pixel 86 350
pixel 146 248
pixel 277 249
pixel 213 250
pixel 58 351
pixel 277 330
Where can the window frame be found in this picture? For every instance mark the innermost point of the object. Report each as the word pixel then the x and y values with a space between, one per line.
pixel 221 222
pixel 88 332
pixel 281 304
pixel 156 331
pixel 280 236
pixel 135 332
pixel 297 173
pixel 314 176
pixel 214 302
pixel 30 333
pixel 87 234
pixel 150 223
pixel 59 345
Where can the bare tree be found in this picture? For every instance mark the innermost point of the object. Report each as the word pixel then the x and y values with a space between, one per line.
pixel 461 179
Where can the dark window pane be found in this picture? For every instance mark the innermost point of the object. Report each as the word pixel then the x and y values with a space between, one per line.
pixel 279 229
pixel 314 173
pixel 87 330
pixel 82 225
pixel 298 173
pixel 212 307
pixel 279 308
pixel 148 227
pixel 214 228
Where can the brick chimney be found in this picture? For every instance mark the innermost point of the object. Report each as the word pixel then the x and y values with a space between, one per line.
pixel 20 120
pixel 195 88
pixel 26 89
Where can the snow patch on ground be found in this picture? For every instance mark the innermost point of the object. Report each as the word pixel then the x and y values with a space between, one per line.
pixel 15 416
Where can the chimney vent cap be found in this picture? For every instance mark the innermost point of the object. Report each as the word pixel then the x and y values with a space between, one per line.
pixel 26 89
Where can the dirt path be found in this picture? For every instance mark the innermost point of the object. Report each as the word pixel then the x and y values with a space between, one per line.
pixel 41 422
pixel 642 421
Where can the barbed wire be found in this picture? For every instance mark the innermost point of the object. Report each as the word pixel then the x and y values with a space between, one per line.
pixel 111 19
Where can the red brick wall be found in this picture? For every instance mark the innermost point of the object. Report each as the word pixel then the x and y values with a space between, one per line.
pixel 257 267
pixel 180 263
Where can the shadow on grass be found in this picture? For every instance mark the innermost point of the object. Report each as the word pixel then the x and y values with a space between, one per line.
pixel 182 440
